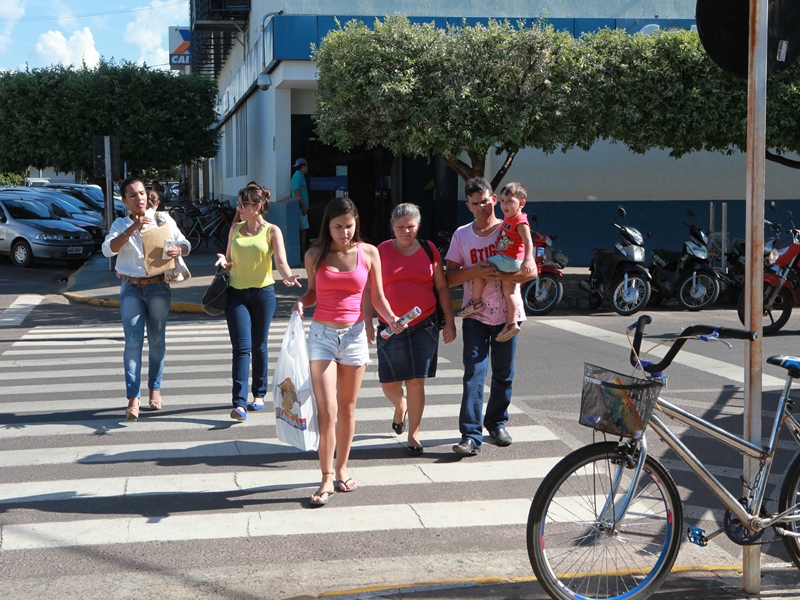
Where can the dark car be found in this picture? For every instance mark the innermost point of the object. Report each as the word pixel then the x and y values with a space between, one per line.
pixel 91 193
pixel 71 212
pixel 29 230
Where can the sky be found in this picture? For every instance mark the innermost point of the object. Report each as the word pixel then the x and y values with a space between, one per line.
pixel 41 33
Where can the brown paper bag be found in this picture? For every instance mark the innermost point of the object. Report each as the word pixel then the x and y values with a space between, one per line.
pixel 153 243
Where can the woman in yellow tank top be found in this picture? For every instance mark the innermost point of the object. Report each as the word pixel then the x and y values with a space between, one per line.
pixel 252 244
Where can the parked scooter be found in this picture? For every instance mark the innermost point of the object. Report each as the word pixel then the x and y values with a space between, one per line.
pixel 618 274
pixel 781 281
pixel 544 293
pixel 688 274
pixel 733 278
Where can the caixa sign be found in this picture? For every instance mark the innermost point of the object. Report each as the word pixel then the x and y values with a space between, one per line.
pixel 180 43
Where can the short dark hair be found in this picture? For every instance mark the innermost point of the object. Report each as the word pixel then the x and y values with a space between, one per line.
pixel 515 190
pixel 127 182
pixel 477 185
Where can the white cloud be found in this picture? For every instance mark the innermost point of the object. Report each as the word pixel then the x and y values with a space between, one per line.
pixel 54 48
pixel 150 34
pixel 11 11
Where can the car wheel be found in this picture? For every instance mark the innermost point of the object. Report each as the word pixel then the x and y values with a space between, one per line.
pixel 21 254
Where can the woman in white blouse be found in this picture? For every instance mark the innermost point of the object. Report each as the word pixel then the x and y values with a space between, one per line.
pixel 143 301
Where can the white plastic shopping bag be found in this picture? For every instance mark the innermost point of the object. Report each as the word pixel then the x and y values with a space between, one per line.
pixel 295 408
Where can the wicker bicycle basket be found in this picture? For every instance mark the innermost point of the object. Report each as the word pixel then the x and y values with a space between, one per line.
pixel 615 403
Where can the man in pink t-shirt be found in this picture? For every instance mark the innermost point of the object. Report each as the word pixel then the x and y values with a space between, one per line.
pixel 470 247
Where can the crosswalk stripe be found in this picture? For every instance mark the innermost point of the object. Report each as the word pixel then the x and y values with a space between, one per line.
pixel 15 314
pixel 260 481
pixel 435 515
pixel 268 446
pixel 169 370
pixel 221 399
pixel 696 361
pixel 164 421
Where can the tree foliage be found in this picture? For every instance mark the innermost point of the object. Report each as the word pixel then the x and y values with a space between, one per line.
pixel 50 116
pixel 462 91
pixel 418 90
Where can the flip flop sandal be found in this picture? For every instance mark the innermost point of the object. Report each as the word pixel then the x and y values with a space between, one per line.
pixel 324 495
pixel 340 485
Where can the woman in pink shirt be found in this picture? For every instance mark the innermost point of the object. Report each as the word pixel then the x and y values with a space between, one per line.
pixel 339 267
pixel 410 274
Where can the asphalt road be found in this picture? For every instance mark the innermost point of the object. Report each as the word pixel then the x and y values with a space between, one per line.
pixel 70 402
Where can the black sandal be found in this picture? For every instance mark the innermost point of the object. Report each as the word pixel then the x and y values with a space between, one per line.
pixel 324 495
pixel 415 450
pixel 399 428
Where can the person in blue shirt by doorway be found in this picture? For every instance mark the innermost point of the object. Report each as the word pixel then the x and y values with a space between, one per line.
pixel 300 191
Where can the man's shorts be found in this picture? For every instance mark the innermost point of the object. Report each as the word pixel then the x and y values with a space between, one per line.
pixel 346 346
pixel 504 263
pixel 303 221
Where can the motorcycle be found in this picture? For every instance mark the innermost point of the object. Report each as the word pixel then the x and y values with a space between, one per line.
pixel 688 274
pixel 541 295
pixel 781 281
pixel 735 258
pixel 618 274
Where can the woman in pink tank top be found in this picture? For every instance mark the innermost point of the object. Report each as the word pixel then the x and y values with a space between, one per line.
pixel 339 268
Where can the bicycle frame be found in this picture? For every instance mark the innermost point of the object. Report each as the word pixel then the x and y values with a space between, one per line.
pixel 749 517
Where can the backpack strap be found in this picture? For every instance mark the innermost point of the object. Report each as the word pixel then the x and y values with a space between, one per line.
pixel 425 246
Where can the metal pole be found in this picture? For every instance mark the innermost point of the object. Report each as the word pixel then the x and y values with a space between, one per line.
pixel 109 214
pixel 754 270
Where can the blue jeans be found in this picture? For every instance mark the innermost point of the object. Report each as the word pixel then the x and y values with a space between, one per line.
pixel 479 347
pixel 249 314
pixel 141 306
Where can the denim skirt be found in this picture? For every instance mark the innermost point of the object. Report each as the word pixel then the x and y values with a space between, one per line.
pixel 411 354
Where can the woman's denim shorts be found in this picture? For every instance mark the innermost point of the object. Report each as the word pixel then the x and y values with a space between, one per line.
pixel 346 346
pixel 411 354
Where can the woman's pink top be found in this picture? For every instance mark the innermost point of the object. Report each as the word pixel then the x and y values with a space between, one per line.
pixel 408 280
pixel 339 294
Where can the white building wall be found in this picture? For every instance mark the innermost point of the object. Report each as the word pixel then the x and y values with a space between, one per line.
pixel 607 172
pixel 617 9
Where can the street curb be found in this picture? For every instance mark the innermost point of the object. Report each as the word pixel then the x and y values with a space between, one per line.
pixel 421 587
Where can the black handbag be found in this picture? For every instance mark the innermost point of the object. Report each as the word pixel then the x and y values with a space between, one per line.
pixel 439 311
pixel 215 300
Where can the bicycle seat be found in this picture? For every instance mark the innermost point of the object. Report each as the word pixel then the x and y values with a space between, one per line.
pixel 790 363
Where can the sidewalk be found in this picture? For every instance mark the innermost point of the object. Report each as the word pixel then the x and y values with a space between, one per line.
pixel 94 283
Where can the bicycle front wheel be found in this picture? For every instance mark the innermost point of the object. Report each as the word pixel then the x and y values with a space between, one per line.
pixel 576 550
pixel 790 495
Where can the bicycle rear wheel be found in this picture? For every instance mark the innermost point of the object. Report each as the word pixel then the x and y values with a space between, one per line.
pixel 575 553
pixel 790 495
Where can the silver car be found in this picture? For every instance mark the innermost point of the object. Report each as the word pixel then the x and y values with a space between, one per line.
pixel 29 230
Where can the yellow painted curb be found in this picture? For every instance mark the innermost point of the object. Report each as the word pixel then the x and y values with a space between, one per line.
pixel 490 581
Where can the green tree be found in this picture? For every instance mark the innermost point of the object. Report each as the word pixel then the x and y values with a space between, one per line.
pixel 663 91
pixel 417 90
pixel 50 116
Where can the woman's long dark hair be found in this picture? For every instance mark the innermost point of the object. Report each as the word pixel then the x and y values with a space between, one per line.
pixel 335 208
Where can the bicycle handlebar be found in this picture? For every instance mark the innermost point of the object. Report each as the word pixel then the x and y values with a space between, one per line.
pixel 693 330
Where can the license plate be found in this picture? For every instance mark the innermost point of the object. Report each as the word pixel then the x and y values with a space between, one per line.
pixel 75 250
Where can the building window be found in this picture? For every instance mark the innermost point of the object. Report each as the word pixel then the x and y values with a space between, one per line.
pixel 240 121
pixel 227 134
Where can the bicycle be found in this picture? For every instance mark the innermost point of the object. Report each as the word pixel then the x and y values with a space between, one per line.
pixel 606 521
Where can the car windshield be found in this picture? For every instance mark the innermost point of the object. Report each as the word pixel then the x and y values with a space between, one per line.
pixel 27 209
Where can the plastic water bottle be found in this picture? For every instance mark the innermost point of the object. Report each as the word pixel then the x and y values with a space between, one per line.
pixel 404 320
